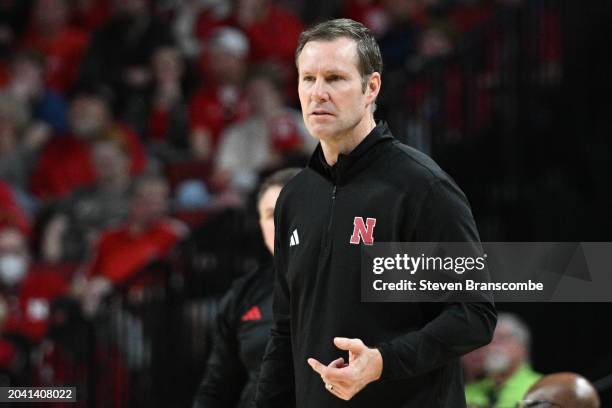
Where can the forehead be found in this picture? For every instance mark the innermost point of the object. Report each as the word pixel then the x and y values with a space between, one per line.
pixel 338 54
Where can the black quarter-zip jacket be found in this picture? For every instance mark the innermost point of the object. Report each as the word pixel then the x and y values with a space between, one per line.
pixel 317 285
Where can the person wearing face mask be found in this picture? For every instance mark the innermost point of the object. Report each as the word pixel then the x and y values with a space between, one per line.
pixel 244 320
pixel 508 374
pixel 91 120
pixel 28 289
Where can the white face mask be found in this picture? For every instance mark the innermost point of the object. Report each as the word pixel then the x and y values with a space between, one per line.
pixel 12 269
pixel 496 362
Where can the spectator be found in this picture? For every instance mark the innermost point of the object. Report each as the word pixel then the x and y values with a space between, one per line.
pixel 271 134
pixel 73 230
pixel 370 13
pixel 506 365
pixel 120 52
pixel 195 20
pixel 27 84
pixel 220 101
pixel 262 20
pixel 29 289
pixel 562 390
pixel 50 34
pixel 167 129
pixel 90 120
pixel 398 41
pixel 19 146
pixel 13 21
pixel 123 251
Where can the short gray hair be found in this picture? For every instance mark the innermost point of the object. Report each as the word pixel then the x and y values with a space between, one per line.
pixel 369 59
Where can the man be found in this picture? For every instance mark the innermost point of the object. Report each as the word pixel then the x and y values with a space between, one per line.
pixel 271 135
pixel 399 354
pixel 123 251
pixel 562 390
pixel 508 374
pixel 91 119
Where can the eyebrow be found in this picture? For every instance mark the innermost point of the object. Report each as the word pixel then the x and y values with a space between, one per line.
pixel 336 71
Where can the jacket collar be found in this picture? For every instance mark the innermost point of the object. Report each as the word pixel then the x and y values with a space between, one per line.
pixel 350 164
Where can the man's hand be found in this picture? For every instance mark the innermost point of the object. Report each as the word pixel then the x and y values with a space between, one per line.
pixel 346 380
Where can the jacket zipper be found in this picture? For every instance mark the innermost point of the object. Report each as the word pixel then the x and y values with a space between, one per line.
pixel 331 218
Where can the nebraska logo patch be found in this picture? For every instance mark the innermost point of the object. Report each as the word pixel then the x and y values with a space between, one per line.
pixel 362 232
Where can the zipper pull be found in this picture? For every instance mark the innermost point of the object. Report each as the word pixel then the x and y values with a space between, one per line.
pixel 334 193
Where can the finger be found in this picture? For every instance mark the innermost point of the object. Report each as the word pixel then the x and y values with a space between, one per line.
pixel 341 392
pixel 342 376
pixel 317 366
pixel 337 363
pixel 354 345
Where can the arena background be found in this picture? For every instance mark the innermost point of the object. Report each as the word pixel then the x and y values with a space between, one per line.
pixel 512 97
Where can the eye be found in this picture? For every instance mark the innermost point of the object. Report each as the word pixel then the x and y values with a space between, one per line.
pixel 334 77
pixel 308 78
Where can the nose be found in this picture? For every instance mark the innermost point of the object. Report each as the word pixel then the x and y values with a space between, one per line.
pixel 319 90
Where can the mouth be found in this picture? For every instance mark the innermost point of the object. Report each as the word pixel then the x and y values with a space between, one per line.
pixel 320 113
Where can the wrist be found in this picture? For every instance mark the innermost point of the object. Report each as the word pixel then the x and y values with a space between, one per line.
pixel 378 364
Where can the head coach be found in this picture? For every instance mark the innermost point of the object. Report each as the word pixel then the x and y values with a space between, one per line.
pixel 360 186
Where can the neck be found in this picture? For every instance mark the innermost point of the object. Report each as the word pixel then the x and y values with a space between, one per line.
pixel 348 141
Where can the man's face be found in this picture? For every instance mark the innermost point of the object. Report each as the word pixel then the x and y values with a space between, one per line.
pixel 330 88
pixel 150 202
pixel 88 116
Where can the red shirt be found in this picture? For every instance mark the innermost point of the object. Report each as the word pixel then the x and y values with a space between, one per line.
pixel 66 164
pixel 275 37
pixel 209 111
pixel 120 254
pixel 30 316
pixel 63 51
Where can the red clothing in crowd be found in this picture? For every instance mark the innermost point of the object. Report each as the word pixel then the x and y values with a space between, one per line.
pixel 63 52
pixel 372 14
pixel 275 37
pixel 66 163
pixel 120 254
pixel 10 212
pixel 29 317
pixel 209 110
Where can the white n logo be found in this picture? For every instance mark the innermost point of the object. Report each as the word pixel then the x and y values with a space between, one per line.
pixel 361 232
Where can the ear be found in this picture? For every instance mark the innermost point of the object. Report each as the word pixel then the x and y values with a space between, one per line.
pixel 373 87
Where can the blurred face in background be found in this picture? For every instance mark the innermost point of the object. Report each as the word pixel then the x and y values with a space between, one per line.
pixel 111 163
pixel 150 201
pixel 88 116
pixel 14 258
pixel 265 208
pixel 27 79
pixel 226 67
pixel 505 353
pixel 167 65
pixel 434 43
pixel 263 96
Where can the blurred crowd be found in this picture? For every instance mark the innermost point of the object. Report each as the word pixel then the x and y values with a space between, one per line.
pixel 123 122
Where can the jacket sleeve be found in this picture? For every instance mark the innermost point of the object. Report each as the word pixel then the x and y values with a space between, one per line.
pixel 225 375
pixel 276 388
pixel 455 328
